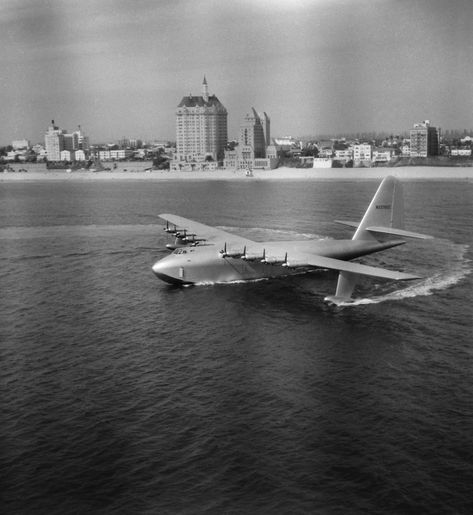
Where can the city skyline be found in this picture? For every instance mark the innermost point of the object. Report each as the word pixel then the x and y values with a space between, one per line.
pixel 316 67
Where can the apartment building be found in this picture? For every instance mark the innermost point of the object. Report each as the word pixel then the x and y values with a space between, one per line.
pixel 57 140
pixel 362 153
pixel 252 151
pixel 424 140
pixel 201 130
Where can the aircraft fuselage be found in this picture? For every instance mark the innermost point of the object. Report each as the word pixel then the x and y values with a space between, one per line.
pixel 207 263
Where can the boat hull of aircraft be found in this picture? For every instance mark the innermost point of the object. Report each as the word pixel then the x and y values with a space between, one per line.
pixel 205 265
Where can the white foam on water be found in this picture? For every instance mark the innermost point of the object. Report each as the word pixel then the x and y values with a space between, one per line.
pixel 236 281
pixel 459 268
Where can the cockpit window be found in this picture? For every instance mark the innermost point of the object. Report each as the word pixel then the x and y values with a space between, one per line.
pixel 180 251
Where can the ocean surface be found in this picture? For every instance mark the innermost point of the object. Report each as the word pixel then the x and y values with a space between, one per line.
pixel 122 394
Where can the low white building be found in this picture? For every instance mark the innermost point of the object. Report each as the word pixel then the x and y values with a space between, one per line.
pixel 405 151
pixel 322 162
pixel 383 155
pixel 107 155
pixel 20 144
pixel 66 155
pixel 460 152
pixel 362 152
pixel 15 155
pixel 343 155
pixel 80 155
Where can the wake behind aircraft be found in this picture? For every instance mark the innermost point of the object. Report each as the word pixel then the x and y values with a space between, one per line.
pixel 203 255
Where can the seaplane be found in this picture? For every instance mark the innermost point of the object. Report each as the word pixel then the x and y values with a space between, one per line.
pixel 217 256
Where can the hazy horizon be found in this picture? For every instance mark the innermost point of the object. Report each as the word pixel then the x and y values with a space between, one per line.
pixel 120 68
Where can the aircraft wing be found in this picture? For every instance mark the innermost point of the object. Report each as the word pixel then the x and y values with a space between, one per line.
pixel 357 268
pixel 210 234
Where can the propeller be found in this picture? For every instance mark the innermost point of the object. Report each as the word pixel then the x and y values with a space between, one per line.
pixel 181 234
pixel 168 228
pixel 232 254
pixel 275 260
pixel 253 257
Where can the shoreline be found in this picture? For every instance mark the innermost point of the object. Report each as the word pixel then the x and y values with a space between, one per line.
pixel 137 172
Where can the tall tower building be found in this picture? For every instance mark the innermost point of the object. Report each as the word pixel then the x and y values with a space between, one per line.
pixel 424 140
pixel 201 129
pixel 252 135
pixel 265 123
pixel 54 142
pixel 254 150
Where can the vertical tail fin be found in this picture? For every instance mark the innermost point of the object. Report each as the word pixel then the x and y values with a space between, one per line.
pixel 385 210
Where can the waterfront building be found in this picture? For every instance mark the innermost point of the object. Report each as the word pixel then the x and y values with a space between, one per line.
pixel 362 153
pixel 79 155
pixel 115 155
pixel 252 135
pixel 201 131
pixel 464 152
pixel 20 144
pixel 252 151
pixel 266 125
pixel 325 148
pixel 15 155
pixel 343 155
pixel 56 140
pixel 66 155
pixel 71 142
pixel 405 150
pixel 383 154
pixel 82 141
pixel 424 140
pixel 322 162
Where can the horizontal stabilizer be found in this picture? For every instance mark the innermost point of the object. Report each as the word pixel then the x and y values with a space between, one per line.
pixel 357 268
pixel 399 232
pixel 345 222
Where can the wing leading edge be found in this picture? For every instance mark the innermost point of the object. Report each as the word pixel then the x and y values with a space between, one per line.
pixel 209 233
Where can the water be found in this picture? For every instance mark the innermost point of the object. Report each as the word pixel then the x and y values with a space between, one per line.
pixel 122 394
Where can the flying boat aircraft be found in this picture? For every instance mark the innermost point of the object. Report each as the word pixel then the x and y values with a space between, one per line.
pixel 202 254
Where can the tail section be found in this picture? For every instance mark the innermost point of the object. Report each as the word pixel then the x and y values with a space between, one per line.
pixel 384 216
pixel 385 210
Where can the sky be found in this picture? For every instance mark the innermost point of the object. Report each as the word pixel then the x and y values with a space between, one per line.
pixel 119 68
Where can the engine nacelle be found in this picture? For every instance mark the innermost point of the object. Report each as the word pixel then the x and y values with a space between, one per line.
pixel 225 253
pixel 295 264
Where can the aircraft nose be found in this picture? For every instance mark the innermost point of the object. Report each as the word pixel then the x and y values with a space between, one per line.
pixel 157 267
pixel 166 272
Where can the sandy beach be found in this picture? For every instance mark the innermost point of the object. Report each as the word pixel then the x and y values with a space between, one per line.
pixel 136 171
